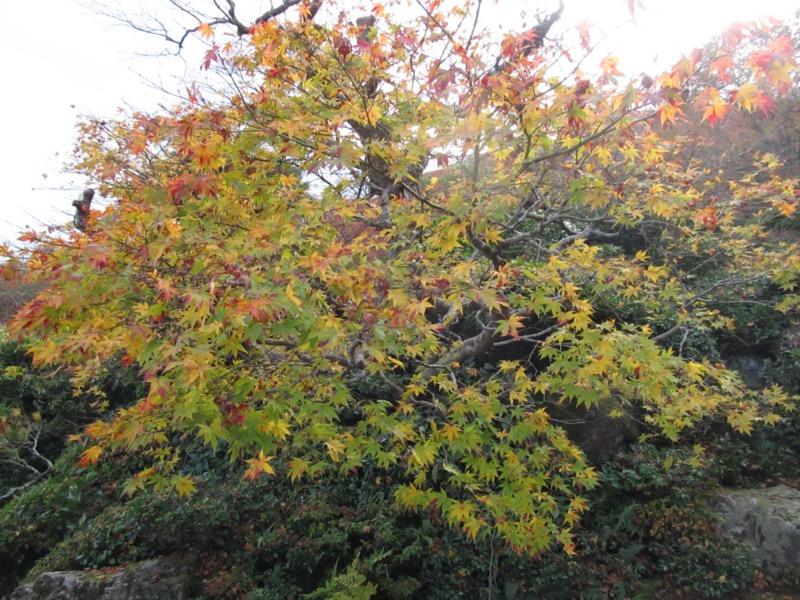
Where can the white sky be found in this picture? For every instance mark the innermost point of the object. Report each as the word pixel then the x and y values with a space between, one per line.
pixel 60 61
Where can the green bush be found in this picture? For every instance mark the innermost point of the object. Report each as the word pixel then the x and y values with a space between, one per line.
pixel 272 539
pixel 50 395
pixel 34 522
pixel 652 513
pixel 649 532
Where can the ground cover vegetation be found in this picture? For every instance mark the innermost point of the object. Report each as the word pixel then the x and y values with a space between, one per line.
pixel 349 322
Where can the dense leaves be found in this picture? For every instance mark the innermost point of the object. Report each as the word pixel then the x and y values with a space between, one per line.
pixel 462 221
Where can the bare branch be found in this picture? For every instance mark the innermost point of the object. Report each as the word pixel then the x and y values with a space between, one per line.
pixel 13 455
pixel 313 8
pixel 669 333
pixel 534 39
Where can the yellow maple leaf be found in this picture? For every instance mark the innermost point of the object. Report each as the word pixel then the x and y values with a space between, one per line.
pixel 259 465
pixel 291 296
pixel 746 96
pixel 173 228
pixel 184 486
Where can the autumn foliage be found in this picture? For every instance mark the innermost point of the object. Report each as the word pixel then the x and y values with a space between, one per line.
pixel 401 242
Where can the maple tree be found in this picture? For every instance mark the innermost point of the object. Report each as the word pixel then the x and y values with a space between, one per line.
pixel 398 241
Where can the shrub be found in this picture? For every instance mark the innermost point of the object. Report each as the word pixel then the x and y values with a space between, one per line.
pixel 34 522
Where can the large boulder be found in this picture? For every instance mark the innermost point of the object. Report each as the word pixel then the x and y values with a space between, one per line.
pixel 768 520
pixel 157 579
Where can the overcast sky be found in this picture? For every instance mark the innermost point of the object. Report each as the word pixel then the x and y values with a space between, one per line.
pixel 61 60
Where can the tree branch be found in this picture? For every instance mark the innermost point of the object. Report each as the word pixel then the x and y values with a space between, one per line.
pixel 313 8
pixel 470 348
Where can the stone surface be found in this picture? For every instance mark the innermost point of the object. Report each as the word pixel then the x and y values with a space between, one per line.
pixel 768 520
pixel 750 368
pixel 157 579
pixel 601 436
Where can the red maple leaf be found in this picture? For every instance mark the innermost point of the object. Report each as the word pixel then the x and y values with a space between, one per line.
pixel 211 56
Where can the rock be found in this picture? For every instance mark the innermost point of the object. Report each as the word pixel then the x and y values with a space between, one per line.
pixel 601 436
pixel 156 579
pixel 63 585
pixel 750 369
pixel 768 520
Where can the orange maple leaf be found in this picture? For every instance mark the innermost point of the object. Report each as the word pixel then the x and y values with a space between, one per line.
pixel 259 465
pixel 715 111
pixel 90 456
pixel 205 30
